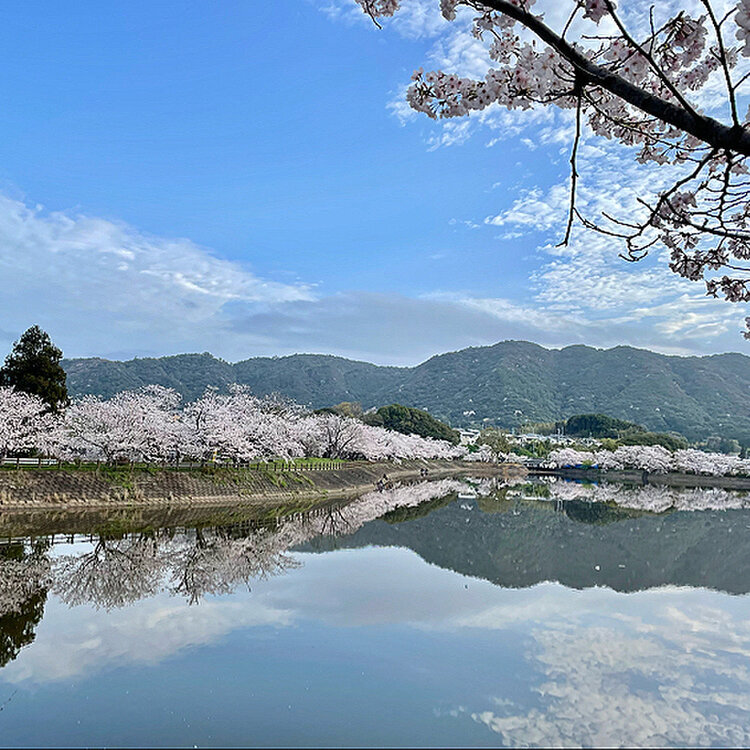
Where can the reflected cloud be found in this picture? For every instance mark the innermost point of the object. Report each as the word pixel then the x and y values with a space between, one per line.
pixel 82 640
pixel 674 680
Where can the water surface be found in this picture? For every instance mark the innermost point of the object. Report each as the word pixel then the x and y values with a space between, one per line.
pixel 439 614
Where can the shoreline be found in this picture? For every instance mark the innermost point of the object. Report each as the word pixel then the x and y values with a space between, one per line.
pixel 638 477
pixel 108 489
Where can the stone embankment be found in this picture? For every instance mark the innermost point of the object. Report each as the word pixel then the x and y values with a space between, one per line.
pixel 216 486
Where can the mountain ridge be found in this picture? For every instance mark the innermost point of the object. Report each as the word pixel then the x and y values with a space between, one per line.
pixel 507 383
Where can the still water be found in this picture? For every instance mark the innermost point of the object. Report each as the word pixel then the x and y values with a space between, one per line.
pixel 445 613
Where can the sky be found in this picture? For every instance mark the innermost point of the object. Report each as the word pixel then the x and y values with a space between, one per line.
pixel 245 178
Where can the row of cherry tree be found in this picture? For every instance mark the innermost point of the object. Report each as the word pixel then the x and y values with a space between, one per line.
pixel 654 459
pixel 153 425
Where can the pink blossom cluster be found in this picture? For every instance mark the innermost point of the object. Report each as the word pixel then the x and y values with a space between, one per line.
pixel 152 425
pixel 742 18
pixel 595 9
pixel 485 454
pixel 703 219
pixel 653 459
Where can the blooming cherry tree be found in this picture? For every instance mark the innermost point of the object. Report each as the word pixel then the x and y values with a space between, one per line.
pixel 22 420
pixel 638 75
pixel 237 426
pixel 132 426
pixel 653 459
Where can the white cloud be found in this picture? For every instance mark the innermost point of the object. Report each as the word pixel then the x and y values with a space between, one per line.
pixel 107 286
pixel 416 19
pixel 659 678
pixel 103 288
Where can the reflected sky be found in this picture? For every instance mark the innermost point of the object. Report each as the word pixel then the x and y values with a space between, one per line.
pixel 362 640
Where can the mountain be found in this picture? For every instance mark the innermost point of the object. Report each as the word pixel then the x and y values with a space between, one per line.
pixel 506 384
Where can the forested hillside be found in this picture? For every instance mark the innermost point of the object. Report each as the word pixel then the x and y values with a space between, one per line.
pixel 507 384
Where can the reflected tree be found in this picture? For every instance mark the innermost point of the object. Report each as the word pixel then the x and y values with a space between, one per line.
pixel 117 571
pixel 215 563
pixel 114 573
pixel 24 573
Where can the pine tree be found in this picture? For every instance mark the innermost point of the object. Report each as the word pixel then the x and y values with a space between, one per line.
pixel 34 367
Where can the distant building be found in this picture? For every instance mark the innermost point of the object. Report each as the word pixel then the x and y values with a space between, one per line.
pixel 468 437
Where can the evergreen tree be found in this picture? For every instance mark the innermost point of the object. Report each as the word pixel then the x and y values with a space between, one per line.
pixel 411 421
pixel 34 367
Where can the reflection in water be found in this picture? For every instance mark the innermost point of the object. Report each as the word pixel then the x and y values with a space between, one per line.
pixel 193 563
pixel 22 595
pixel 477 648
pixel 653 498
pixel 678 678
pixel 523 534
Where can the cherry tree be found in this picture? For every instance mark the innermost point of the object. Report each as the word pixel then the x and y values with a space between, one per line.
pixel 654 459
pixel 23 420
pixel 113 573
pixel 483 454
pixel 215 562
pixel 713 464
pixel 151 425
pixel 643 77
pixel 333 436
pixel 239 426
pixel 22 576
pixel 329 435
pixel 138 425
pixel 651 458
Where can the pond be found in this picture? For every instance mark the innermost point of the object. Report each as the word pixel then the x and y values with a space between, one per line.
pixel 442 613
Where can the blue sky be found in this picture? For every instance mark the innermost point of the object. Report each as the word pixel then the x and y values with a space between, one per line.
pixel 244 178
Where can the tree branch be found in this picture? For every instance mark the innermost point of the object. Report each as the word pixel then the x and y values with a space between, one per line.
pixel 573 172
pixel 704 128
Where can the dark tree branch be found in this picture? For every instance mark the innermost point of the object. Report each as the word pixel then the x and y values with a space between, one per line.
pixel 702 127
pixel 573 171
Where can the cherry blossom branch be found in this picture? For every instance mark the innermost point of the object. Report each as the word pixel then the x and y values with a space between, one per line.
pixel 704 128
pixel 647 55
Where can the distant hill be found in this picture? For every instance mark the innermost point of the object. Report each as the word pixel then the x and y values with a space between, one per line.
pixel 507 384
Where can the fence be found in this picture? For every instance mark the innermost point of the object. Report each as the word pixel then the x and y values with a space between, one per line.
pixel 323 465
pixel 17 462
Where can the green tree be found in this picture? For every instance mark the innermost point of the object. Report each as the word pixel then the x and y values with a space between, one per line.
pixel 599 426
pixel 351 409
pixel 496 440
pixel 413 421
pixel 34 367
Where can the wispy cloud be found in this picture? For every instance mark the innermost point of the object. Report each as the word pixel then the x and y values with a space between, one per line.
pixel 97 281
